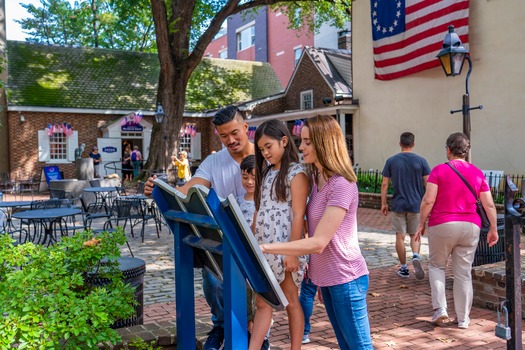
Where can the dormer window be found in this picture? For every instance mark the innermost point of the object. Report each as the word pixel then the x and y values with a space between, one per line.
pixel 307 99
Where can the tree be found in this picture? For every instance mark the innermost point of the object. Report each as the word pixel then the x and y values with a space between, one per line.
pixel 184 28
pixel 112 24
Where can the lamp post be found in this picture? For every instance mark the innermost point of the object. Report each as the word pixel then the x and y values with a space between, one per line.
pixel 452 57
pixel 159 118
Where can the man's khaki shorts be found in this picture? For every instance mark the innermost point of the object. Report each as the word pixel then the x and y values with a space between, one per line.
pixel 405 222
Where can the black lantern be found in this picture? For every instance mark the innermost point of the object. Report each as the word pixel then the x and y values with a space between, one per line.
pixel 452 57
pixel 159 113
pixel 453 54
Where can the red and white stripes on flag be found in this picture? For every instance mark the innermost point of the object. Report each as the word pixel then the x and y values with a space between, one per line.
pixel 408 34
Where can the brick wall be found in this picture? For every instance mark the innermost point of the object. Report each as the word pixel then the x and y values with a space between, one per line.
pixel 270 107
pixel 488 282
pixel 23 138
pixel 307 78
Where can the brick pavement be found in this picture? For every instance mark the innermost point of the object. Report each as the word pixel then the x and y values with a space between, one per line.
pixel 400 309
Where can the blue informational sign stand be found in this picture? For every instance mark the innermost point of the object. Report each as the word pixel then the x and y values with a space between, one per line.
pixel 52 173
pixel 210 232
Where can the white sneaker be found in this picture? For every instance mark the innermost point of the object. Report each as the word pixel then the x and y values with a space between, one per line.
pixel 440 316
pixel 418 269
pixel 306 340
pixel 464 324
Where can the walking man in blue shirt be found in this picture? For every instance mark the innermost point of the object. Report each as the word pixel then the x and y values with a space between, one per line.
pixel 408 173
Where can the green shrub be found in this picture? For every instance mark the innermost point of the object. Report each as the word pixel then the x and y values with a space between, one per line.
pixel 47 300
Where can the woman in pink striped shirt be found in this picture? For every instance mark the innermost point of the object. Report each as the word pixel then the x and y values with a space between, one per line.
pixel 336 263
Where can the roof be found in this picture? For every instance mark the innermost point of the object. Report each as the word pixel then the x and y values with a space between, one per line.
pixel 335 66
pixel 80 77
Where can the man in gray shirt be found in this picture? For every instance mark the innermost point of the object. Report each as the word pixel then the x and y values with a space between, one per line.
pixel 408 173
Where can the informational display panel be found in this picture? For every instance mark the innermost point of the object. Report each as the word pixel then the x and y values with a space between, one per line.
pixel 231 224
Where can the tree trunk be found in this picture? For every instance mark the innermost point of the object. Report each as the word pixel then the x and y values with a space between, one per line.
pixel 175 71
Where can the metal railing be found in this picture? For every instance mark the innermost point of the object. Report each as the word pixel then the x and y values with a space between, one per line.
pixel 370 181
pixel 116 166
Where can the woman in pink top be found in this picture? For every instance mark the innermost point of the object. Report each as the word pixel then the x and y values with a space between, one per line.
pixel 453 227
pixel 336 263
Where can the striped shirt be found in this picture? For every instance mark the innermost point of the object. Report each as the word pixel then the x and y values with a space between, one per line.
pixel 341 261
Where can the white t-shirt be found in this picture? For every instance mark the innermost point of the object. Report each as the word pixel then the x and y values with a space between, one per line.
pixel 223 172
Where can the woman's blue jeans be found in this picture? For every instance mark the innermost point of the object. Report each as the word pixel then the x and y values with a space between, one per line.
pixel 213 292
pixel 347 310
pixel 306 299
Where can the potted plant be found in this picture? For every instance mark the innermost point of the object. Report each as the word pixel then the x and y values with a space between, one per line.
pixel 47 300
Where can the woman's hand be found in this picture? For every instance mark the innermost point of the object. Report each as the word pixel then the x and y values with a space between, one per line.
pixel 291 263
pixel 419 232
pixel 320 295
pixel 492 237
pixel 149 185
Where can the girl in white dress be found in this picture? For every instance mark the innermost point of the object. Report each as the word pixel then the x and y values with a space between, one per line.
pixel 280 200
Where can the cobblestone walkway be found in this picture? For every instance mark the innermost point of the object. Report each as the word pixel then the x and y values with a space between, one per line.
pixel 377 246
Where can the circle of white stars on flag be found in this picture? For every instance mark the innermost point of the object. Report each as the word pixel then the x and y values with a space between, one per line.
pixel 385 27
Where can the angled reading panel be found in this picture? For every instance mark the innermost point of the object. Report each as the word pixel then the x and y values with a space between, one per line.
pixel 195 203
pixel 248 255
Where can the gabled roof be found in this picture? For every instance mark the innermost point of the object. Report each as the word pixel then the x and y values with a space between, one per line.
pixel 79 77
pixel 334 65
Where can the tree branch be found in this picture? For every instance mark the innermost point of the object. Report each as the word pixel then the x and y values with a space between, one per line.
pixel 214 27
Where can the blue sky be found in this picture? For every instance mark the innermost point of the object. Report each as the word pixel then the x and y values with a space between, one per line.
pixel 14 11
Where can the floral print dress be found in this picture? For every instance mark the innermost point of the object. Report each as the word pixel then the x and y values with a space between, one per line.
pixel 274 222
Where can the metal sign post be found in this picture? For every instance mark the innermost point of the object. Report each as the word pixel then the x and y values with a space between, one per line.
pixel 512 266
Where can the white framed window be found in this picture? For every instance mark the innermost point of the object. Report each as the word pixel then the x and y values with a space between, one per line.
pixel 57 148
pixel 307 98
pixel 297 54
pixel 185 143
pixel 192 145
pixel 223 54
pixel 298 17
pixel 246 36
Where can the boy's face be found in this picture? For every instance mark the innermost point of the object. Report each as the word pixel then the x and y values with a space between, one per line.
pixel 248 181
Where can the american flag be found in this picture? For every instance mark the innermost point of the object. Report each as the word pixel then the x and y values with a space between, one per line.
pixel 408 34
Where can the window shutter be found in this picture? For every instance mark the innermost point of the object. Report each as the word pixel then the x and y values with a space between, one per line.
pixel 196 147
pixel 72 144
pixel 43 146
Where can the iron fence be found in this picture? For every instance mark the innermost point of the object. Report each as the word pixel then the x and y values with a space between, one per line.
pixel 370 181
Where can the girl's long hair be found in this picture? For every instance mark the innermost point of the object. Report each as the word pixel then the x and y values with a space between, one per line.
pixel 275 130
pixel 330 148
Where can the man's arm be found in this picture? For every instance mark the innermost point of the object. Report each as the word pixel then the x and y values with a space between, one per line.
pixel 425 179
pixel 149 185
pixel 384 192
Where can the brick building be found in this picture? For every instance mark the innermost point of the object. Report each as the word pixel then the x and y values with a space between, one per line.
pixel 320 84
pixel 265 37
pixel 96 94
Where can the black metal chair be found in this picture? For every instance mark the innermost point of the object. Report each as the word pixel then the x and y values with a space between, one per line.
pixel 27 186
pixel 138 215
pixel 94 183
pixel 57 193
pixel 93 211
pixel 121 190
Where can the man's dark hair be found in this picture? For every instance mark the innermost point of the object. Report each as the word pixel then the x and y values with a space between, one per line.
pixel 407 139
pixel 458 144
pixel 248 163
pixel 227 114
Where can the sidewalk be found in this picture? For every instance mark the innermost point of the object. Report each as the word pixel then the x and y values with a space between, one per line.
pixel 400 310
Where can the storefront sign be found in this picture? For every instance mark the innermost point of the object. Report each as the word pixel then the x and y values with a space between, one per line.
pixel 109 149
pixel 132 127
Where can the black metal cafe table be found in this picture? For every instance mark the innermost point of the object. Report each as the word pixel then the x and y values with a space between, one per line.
pixel 49 219
pixel 9 208
pixel 102 194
